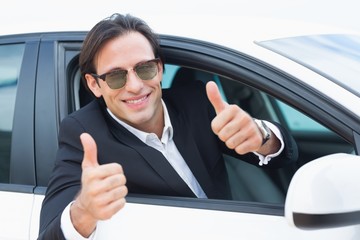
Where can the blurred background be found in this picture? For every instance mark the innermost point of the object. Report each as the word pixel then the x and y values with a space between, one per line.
pixel 82 15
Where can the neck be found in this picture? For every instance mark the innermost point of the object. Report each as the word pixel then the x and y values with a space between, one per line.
pixel 157 124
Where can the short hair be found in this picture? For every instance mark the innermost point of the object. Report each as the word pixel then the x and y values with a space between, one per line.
pixel 110 28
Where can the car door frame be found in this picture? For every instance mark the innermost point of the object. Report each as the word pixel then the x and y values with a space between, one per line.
pixel 233 64
pixel 15 220
pixel 213 58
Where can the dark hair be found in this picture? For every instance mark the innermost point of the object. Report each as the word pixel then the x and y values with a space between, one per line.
pixel 110 28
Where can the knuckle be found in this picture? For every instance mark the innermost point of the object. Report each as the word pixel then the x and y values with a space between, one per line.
pixel 222 136
pixel 126 190
pixel 122 192
pixel 117 167
pixel 234 107
pixel 215 127
pixel 239 149
pixel 258 142
pixel 230 144
pixel 122 179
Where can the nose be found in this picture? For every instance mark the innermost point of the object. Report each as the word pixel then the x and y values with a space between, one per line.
pixel 133 83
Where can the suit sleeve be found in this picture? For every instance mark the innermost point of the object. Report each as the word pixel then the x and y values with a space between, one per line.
pixel 65 180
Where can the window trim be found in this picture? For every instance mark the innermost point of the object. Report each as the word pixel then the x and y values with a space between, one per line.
pixel 209 57
pixel 21 171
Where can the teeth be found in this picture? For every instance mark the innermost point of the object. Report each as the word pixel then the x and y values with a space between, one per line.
pixel 135 101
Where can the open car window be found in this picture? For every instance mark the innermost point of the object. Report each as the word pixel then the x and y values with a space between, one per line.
pixel 250 183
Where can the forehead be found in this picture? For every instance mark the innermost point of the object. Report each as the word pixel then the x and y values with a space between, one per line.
pixel 126 41
pixel 124 51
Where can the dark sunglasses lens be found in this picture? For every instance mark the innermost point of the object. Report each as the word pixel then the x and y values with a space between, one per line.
pixel 116 79
pixel 147 70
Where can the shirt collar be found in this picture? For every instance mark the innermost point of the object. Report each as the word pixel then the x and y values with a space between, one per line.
pixel 143 136
pixel 168 131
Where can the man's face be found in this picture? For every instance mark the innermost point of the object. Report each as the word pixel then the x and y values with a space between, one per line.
pixel 138 103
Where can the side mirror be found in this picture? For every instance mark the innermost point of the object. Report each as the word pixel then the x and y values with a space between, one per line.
pixel 325 193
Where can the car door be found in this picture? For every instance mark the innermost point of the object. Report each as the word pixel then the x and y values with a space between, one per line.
pixel 18 59
pixel 30 110
pixel 257 212
pixel 40 85
pixel 58 55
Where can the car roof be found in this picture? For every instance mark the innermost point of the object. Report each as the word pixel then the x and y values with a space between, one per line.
pixel 236 32
pixel 216 29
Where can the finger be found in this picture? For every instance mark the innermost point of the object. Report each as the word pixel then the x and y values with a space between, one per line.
pixel 111 182
pixel 110 196
pixel 228 129
pixel 214 96
pixel 110 209
pixel 90 151
pixel 249 145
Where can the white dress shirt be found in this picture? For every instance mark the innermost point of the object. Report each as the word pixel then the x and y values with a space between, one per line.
pixel 167 147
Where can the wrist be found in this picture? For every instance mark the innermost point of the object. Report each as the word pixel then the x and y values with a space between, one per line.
pixel 264 130
pixel 82 220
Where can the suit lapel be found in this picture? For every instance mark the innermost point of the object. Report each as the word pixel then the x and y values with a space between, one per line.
pixel 155 159
pixel 186 145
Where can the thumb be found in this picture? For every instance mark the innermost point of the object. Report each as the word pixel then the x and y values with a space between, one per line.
pixel 90 151
pixel 214 96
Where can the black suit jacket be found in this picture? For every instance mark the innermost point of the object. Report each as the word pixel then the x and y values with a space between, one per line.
pixel 146 169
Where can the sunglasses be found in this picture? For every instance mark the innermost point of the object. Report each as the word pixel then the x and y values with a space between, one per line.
pixel 117 79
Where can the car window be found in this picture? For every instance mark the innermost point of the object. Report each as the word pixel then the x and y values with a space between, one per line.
pixel 176 75
pixel 10 62
pixel 169 74
pixel 248 182
pixel 313 139
pixel 297 121
pixel 310 51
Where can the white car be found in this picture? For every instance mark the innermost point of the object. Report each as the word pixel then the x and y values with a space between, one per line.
pixel 305 78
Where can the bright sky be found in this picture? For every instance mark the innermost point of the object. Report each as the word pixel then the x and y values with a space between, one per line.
pixel 82 15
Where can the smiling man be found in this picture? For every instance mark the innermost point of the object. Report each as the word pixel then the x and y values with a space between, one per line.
pixel 135 137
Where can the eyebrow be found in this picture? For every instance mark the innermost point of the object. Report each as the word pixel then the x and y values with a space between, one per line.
pixel 120 68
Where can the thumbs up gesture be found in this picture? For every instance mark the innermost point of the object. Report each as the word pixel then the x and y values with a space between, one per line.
pixel 102 192
pixel 233 125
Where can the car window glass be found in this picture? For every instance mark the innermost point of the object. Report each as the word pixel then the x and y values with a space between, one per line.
pixel 10 63
pixel 168 75
pixel 342 49
pixel 297 121
pixel 175 76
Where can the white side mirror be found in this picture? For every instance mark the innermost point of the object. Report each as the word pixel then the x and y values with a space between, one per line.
pixel 325 193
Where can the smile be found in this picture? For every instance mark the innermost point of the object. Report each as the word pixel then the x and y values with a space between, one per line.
pixel 136 101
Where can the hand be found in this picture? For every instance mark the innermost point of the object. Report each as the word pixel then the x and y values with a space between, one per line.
pixel 233 125
pixel 102 192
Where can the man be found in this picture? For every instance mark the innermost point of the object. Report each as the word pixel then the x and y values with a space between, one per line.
pixel 142 139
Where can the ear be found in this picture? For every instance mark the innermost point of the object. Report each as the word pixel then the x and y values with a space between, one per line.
pixel 160 72
pixel 161 69
pixel 93 85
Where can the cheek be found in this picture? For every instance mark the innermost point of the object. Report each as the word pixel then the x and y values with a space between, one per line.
pixel 156 85
pixel 112 96
pixel 158 79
